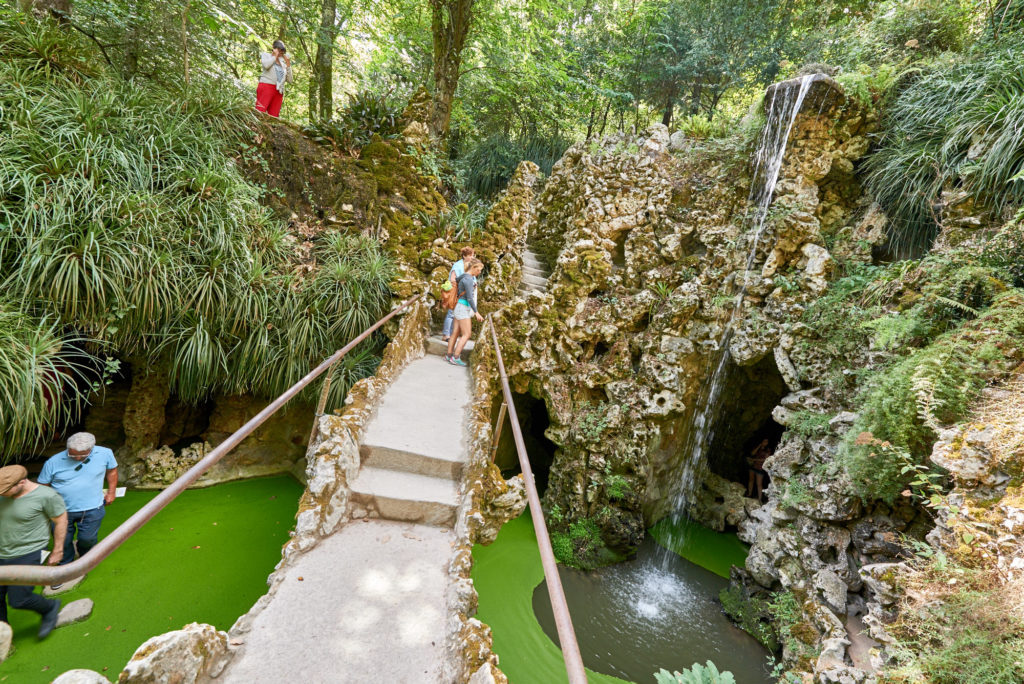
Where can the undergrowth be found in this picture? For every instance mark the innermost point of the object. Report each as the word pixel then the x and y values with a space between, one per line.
pixel 126 223
pixel 957 624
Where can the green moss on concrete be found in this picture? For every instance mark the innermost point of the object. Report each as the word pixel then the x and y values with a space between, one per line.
pixel 505 575
pixel 714 551
pixel 205 558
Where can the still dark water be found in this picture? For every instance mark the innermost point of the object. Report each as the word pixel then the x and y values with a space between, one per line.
pixel 655 611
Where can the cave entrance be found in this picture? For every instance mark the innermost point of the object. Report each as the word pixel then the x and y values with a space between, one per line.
pixel 533 421
pixel 744 417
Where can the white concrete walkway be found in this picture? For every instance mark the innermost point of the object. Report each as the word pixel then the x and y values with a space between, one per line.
pixel 368 603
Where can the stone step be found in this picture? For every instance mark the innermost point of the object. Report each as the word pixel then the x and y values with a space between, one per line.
pixel 532 261
pixel 437 347
pixel 447 466
pixel 535 272
pixel 395 495
pixel 535 281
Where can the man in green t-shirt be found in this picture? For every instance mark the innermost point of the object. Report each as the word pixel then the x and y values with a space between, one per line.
pixel 26 511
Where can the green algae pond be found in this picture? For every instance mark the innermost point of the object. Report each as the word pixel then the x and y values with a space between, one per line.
pixel 631 619
pixel 204 558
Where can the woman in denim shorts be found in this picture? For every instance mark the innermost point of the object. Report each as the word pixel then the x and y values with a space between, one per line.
pixel 465 309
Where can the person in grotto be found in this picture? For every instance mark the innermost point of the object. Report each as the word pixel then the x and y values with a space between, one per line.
pixel 27 511
pixel 277 71
pixel 465 310
pixel 757 474
pixel 78 475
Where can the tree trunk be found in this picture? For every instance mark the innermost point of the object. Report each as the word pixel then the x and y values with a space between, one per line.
pixel 323 68
pixel 604 119
pixel 666 118
pixel 450 24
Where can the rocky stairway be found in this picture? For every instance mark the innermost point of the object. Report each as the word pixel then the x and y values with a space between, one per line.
pixel 535 275
pixel 367 604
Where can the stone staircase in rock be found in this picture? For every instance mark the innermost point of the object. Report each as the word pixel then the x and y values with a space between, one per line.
pixel 535 275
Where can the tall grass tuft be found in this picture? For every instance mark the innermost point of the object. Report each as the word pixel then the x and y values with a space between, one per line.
pixel 38 366
pixel 958 126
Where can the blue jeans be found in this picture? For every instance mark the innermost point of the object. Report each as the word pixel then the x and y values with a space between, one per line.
pixel 87 524
pixel 22 597
pixel 449 320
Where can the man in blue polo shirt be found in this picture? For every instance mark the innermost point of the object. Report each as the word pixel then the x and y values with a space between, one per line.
pixel 77 473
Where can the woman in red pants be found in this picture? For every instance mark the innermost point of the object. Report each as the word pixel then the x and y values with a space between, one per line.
pixel 277 70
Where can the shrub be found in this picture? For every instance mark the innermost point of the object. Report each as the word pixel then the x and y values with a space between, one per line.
pixel 126 221
pixel 488 165
pixel 753 615
pixel 40 374
pixel 699 127
pixel 934 386
pixel 365 115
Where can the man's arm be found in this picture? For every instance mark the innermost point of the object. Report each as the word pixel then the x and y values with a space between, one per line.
pixel 111 494
pixel 60 529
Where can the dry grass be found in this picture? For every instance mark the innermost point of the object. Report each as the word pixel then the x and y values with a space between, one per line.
pixel 1003 409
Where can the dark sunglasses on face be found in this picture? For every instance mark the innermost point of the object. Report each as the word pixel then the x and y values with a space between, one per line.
pixel 79 466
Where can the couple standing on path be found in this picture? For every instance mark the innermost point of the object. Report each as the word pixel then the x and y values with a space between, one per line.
pixel 461 304
pixel 74 502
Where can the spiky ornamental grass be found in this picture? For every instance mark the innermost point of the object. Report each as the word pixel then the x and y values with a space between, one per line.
pixel 958 125
pixel 124 219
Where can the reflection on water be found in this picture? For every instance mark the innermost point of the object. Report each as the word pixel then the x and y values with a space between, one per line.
pixel 636 617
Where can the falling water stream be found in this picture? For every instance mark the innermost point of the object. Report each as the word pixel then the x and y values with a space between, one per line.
pixel 782 108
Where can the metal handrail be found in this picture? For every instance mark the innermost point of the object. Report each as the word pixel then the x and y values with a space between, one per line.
pixel 563 623
pixel 41 574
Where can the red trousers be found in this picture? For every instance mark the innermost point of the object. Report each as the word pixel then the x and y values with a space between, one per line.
pixel 268 99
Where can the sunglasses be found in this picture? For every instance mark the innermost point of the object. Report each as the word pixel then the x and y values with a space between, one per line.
pixel 79 466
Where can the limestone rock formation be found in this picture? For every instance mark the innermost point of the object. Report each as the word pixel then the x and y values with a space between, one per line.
pixel 187 656
pixel 646 246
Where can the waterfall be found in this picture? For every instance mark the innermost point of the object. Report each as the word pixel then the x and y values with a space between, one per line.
pixel 783 105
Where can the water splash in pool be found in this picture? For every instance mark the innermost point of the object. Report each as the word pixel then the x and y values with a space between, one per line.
pixel 635 617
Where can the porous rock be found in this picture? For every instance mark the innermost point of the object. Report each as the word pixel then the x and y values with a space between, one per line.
pixel 185 656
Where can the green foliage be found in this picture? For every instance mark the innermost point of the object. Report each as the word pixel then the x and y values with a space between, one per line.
pixel 868 84
pixel 753 615
pixel 702 128
pixel 905 404
pixel 591 421
pixel 489 165
pixel 809 423
pixel 365 115
pixel 897 31
pixel 459 223
pixel 956 125
pixel 40 371
pixel 698 674
pixel 127 221
pixel 581 546
pixel 617 487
